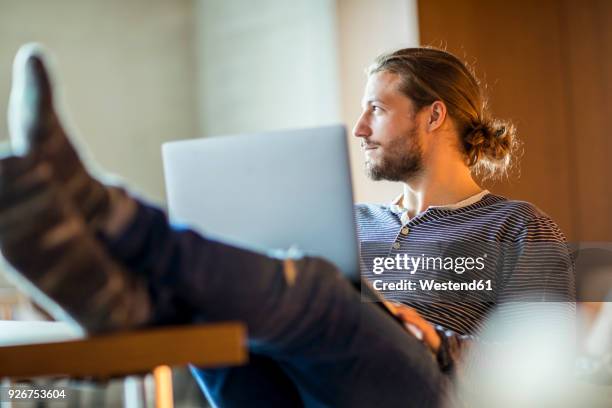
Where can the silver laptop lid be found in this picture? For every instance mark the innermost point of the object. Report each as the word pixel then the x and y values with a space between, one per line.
pixel 268 191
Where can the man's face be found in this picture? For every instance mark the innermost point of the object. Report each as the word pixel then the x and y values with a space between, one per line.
pixel 389 130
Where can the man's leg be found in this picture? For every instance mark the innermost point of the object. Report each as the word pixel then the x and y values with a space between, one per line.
pixel 299 312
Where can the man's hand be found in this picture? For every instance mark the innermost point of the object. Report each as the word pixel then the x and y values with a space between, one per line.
pixel 417 325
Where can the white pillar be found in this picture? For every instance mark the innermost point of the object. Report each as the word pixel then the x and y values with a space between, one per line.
pixel 265 65
pixel 367 28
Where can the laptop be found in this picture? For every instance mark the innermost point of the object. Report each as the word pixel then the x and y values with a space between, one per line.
pixel 268 191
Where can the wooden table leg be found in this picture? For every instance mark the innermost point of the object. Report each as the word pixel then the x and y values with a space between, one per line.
pixel 163 387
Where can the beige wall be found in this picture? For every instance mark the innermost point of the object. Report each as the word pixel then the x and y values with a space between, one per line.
pixel 128 74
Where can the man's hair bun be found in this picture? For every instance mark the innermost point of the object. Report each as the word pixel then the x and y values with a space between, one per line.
pixel 490 145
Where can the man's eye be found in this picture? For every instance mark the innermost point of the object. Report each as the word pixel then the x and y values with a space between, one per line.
pixel 375 108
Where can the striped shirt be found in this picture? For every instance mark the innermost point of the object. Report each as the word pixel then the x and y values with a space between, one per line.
pixel 531 258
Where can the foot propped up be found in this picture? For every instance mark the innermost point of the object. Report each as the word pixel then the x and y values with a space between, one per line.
pixel 36 129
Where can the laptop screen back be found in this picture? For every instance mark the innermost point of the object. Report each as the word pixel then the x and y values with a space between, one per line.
pixel 268 191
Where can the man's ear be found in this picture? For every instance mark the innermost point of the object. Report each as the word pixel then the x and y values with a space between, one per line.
pixel 437 114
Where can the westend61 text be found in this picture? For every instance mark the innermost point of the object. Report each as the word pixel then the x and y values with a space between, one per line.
pixel 432 285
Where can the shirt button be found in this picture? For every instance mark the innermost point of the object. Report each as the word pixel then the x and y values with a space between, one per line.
pixel 396 245
pixel 405 231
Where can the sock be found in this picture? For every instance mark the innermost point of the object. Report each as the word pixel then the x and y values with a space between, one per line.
pixel 56 257
pixel 36 130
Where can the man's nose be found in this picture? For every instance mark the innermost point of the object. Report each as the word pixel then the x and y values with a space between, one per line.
pixel 361 128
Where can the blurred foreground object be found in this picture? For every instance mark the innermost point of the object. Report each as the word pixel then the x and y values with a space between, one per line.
pixel 534 365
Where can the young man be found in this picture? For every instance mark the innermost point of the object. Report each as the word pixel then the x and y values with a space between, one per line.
pixel 425 123
pixel 94 254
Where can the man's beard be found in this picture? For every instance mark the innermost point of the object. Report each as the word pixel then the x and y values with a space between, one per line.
pixel 402 160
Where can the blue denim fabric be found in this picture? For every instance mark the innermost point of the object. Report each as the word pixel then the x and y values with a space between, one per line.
pixel 312 339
